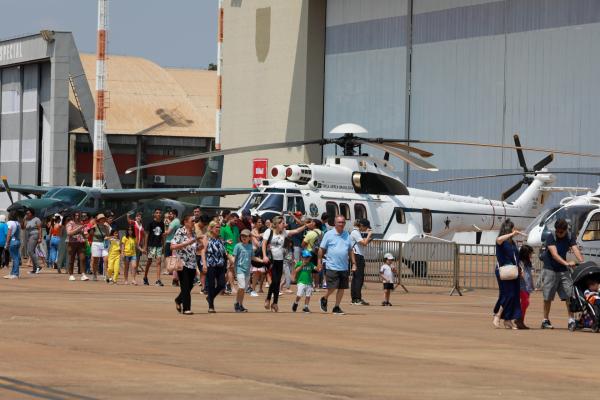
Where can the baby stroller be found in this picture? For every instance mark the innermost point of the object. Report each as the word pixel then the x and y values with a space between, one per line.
pixel 586 314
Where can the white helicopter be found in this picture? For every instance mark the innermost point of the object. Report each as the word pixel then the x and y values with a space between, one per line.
pixel 583 215
pixel 359 186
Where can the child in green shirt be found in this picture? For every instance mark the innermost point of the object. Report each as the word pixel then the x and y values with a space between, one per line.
pixel 303 272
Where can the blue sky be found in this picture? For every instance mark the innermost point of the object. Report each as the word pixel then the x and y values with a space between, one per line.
pixel 172 33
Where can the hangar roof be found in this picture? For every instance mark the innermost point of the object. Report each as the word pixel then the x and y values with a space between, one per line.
pixel 145 98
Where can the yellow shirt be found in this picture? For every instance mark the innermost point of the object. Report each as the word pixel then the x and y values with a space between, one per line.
pixel 128 246
pixel 114 249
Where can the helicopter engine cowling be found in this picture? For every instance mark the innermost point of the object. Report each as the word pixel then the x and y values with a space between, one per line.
pixel 278 172
pixel 300 173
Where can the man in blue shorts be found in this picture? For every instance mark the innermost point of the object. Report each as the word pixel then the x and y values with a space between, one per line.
pixel 336 246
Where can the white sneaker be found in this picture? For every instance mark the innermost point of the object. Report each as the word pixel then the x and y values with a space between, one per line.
pixel 84 277
pixel 253 294
pixel 11 276
pixel 72 278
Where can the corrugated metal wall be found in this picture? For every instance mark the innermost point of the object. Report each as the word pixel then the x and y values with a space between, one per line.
pixel 365 65
pixel 480 71
pixel 20 137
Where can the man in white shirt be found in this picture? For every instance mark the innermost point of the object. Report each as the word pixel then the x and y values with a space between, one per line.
pixel 361 236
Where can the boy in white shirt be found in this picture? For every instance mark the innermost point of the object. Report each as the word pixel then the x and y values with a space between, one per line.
pixel 386 272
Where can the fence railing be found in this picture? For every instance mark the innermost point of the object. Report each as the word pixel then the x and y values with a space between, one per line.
pixel 446 264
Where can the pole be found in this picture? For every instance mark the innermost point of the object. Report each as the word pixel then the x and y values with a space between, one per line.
pixel 138 162
pixel 219 78
pixel 98 159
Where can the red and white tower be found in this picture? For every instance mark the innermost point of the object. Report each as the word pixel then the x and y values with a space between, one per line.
pixel 219 78
pixel 98 159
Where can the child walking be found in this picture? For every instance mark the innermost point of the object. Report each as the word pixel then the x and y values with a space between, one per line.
pixel 114 257
pixel 242 256
pixel 303 272
pixel 525 282
pixel 386 272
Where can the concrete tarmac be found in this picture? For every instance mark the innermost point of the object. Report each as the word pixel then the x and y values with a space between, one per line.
pixel 90 340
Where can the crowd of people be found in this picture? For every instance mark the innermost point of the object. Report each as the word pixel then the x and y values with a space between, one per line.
pixel 247 254
pixel 225 254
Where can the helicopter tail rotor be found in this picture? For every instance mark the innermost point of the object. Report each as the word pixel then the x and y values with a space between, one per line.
pixel 528 173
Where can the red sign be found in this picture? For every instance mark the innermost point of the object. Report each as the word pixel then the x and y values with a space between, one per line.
pixel 260 168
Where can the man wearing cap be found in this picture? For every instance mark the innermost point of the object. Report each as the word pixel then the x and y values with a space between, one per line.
pixel 336 246
pixel 100 231
pixel 361 237
pixel 242 256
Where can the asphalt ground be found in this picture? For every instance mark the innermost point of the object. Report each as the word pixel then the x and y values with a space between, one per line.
pixel 89 340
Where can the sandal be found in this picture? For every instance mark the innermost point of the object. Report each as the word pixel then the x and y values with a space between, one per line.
pixel 178 307
pixel 274 307
pixel 267 304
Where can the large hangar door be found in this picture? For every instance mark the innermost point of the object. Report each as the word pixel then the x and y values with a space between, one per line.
pixel 365 66
pixel 10 122
pixel 19 124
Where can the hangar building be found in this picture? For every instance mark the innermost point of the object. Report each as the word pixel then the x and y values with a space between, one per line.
pixel 47 106
pixel 460 70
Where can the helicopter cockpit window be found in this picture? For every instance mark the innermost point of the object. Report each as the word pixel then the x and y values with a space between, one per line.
pixel 592 231
pixel 254 201
pixel 272 203
pixel 360 211
pixel 574 215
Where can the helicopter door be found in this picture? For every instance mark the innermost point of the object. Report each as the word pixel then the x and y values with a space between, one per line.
pixel 589 236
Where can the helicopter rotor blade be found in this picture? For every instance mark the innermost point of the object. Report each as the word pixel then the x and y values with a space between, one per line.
pixel 512 190
pixel 405 147
pixel 414 161
pixel 466 178
pixel 235 150
pixel 543 162
pixel 499 146
pixel 7 188
pixel 520 155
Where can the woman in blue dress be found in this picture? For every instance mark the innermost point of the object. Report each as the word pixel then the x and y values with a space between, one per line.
pixel 508 306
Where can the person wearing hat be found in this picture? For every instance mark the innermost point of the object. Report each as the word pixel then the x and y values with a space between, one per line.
pixel 303 274
pixel 386 272
pixel 100 230
pixel 242 256
pixel 361 236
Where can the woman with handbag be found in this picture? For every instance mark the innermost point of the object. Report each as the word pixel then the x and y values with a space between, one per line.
pixel 214 263
pixel 184 245
pixel 508 306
